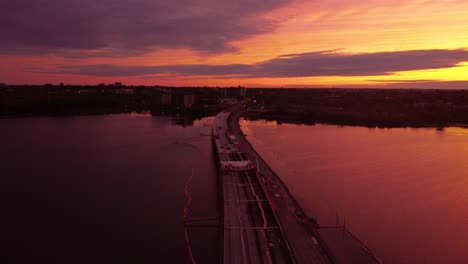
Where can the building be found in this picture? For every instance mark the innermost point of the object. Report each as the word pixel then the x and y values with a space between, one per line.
pixel 233 92
pixel 166 99
pixel 189 100
pixel 183 100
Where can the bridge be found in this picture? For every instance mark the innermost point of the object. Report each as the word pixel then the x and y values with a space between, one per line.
pixel 251 233
pixel 262 222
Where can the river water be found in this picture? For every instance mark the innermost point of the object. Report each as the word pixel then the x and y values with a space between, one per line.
pixel 105 189
pixel 403 191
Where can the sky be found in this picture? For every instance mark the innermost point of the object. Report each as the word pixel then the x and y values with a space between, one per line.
pixel 254 43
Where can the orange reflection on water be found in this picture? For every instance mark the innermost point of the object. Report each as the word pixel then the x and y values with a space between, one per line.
pixel 404 191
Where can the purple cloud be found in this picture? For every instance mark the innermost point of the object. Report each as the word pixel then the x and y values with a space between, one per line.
pixel 120 27
pixel 330 63
pixel 327 63
pixel 117 70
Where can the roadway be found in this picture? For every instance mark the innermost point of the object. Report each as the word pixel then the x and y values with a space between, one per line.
pixel 251 233
pixel 302 236
pixel 264 223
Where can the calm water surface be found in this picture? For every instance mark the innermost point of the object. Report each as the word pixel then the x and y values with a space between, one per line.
pixel 104 189
pixel 404 192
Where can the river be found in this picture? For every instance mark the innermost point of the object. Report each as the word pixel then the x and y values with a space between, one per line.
pixel 105 189
pixel 403 191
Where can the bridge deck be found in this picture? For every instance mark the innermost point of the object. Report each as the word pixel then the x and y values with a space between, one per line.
pixel 251 232
pixel 261 229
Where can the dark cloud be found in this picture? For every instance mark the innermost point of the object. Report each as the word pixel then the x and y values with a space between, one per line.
pixel 118 27
pixel 180 70
pixel 332 63
pixel 392 84
pixel 328 63
pixel 422 84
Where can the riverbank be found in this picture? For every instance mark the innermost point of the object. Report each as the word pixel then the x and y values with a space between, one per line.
pixel 362 107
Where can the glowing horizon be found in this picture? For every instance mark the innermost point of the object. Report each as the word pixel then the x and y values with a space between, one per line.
pixel 220 43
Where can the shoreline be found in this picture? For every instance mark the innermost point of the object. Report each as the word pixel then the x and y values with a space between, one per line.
pixel 353 124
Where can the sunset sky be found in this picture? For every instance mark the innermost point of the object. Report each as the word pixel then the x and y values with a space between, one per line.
pixel 255 43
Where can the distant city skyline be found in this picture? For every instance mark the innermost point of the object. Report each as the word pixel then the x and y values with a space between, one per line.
pixel 275 43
